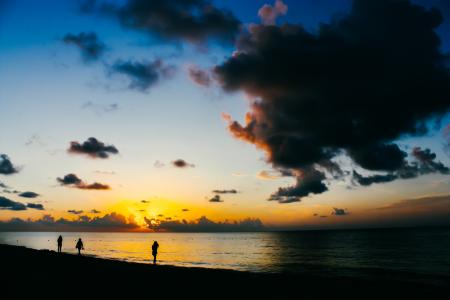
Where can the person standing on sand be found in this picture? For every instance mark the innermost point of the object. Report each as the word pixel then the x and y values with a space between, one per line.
pixel 60 240
pixel 155 250
pixel 79 246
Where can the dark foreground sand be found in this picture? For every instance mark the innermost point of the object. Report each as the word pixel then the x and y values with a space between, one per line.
pixel 45 274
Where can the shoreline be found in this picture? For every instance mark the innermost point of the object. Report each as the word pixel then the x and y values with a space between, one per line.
pixel 26 271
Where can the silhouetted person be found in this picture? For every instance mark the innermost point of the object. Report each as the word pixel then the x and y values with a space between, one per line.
pixel 155 250
pixel 60 240
pixel 79 246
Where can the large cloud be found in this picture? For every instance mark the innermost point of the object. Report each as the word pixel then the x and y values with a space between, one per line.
pixel 203 224
pixel 6 166
pixel 73 180
pixel 194 21
pixel 89 44
pixel 93 148
pixel 108 222
pixel 356 86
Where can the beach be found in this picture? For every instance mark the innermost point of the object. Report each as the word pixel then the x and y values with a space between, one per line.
pixel 44 273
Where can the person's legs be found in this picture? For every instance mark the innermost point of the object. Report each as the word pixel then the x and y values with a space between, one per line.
pixel 154 258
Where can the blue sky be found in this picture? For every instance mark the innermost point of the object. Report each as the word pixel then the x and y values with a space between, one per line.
pixel 50 97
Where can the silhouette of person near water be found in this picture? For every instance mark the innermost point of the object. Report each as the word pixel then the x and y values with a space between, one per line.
pixel 60 240
pixel 79 246
pixel 155 250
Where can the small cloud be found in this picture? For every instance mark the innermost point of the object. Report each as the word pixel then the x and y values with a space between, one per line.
pixel 145 201
pixel 237 174
pixel 269 13
pixel 104 172
pixel 93 148
pixel 339 211
pixel 29 195
pixel 143 75
pixel 69 179
pixel 35 140
pixel 8 204
pixel 100 108
pixel 232 191
pixel 199 76
pixel 74 181
pixel 216 199
pixel 158 164
pixel 6 166
pixel 35 206
pixel 94 211
pixel 2 185
pixel 89 44
pixel 75 212
pixel 267 175
pixel 185 210
pixel 93 186
pixel 181 163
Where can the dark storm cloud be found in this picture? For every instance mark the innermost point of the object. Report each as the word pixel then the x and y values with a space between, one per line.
pixel 339 211
pixel 6 166
pixel 35 206
pixel 29 195
pixel 91 47
pixel 353 87
pixel 199 76
pixel 74 181
pixel 75 212
pixel 143 75
pixel 195 21
pixel 368 180
pixel 216 199
pixel 203 224
pixel 93 148
pixel 311 181
pixel 424 162
pixel 109 222
pixel 232 191
pixel 427 162
pixel 8 204
pixel 181 163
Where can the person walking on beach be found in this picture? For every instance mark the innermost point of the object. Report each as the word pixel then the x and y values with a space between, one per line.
pixel 60 240
pixel 79 246
pixel 155 250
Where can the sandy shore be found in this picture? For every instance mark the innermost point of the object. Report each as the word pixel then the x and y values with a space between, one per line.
pixel 42 273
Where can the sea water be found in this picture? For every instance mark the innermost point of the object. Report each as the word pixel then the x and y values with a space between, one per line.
pixel 351 252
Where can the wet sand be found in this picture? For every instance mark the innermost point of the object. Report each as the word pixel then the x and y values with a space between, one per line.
pixel 46 274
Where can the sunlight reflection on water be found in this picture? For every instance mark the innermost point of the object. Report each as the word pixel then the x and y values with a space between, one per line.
pixel 412 250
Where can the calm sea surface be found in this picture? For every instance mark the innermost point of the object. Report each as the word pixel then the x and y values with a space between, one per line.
pixel 350 252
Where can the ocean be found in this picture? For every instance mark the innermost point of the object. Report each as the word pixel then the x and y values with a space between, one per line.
pixel 423 251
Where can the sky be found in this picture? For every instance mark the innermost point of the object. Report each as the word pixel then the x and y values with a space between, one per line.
pixel 229 115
